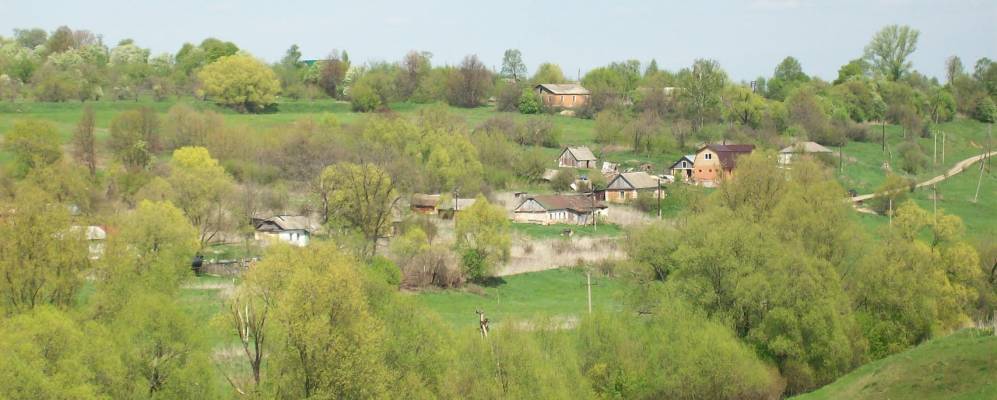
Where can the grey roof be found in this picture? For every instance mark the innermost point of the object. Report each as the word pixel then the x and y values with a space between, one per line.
pixel 424 200
pixel 289 222
pixel 564 88
pixel 639 180
pixel 581 153
pixel 462 204
pixel 806 147
pixel 580 203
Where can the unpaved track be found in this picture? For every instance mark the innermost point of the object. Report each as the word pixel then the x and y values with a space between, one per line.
pixel 956 169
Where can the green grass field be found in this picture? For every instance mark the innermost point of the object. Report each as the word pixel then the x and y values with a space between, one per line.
pixel 960 366
pixel 558 293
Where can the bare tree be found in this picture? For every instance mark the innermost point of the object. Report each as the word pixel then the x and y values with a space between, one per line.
pixel 85 143
pixel 469 85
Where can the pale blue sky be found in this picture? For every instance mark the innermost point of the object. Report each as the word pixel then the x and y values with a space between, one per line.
pixel 748 37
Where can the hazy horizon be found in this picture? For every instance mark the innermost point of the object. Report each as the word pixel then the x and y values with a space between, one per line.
pixel 747 37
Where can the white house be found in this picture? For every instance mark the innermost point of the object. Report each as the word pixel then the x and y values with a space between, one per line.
pixel 786 155
pixel 559 209
pixel 95 237
pixel 292 229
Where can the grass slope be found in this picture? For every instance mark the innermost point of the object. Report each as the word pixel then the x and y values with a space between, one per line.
pixel 558 293
pixel 959 366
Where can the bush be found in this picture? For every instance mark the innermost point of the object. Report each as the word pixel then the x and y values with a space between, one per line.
pixel 474 263
pixel 986 110
pixel 508 97
pixel 912 158
pixel 383 270
pixel 856 132
pixel 529 103
pixel 563 180
pixel 363 98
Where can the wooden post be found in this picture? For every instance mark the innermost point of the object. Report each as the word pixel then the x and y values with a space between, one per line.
pixel 934 151
pixel 979 181
pixel 588 278
pixel 482 323
pixel 890 212
pixel 934 207
pixel 943 147
pixel 884 135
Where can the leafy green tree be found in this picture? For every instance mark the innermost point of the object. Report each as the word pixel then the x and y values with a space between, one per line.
pixel 701 88
pixel 330 345
pixel 512 65
pixel 41 256
pixel 414 68
pixel 363 195
pixel 788 74
pixel 482 233
pixel 135 137
pixel 548 73
pixel 201 188
pixel 890 49
pixel 33 143
pixel 855 69
pixel 241 82
pixel 48 354
pixel 953 68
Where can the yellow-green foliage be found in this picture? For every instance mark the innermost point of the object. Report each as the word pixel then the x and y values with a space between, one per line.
pixel 240 81
pixel 41 257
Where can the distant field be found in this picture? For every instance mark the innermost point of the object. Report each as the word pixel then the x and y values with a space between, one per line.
pixel 959 366
pixel 558 293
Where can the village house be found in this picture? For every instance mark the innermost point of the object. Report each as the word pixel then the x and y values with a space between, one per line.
pixel 447 209
pixel 715 162
pixel 562 95
pixel 559 209
pixel 291 229
pixel 95 237
pixel 576 157
pixel 628 185
pixel 424 203
pixel 682 169
pixel 801 149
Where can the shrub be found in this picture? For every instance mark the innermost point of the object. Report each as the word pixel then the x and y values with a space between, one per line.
pixel 529 103
pixel 986 110
pixel 912 158
pixel 563 180
pixel 508 97
pixel 363 98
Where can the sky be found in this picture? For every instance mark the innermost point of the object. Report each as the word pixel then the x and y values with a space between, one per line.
pixel 747 37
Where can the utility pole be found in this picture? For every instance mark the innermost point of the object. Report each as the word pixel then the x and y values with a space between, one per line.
pixel 934 207
pixel 595 226
pixel 943 147
pixel 979 181
pixel 884 135
pixel 934 151
pixel 588 278
pixel 890 211
pixel 841 161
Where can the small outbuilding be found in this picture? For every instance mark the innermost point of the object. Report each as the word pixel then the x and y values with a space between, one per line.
pixel 787 154
pixel 576 157
pixel 559 209
pixel 291 229
pixel 628 185
pixel 424 203
pixel 682 169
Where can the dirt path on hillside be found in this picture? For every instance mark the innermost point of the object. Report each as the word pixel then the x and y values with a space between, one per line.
pixel 956 169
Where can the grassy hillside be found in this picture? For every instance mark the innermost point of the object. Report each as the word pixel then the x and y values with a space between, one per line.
pixel 960 366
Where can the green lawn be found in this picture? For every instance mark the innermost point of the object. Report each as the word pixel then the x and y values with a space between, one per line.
pixel 555 231
pixel 555 293
pixel 959 366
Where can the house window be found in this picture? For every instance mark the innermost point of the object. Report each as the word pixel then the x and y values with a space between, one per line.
pixel 709 156
pixel 572 99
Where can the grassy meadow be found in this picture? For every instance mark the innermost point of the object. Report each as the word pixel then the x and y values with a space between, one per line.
pixel 959 366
